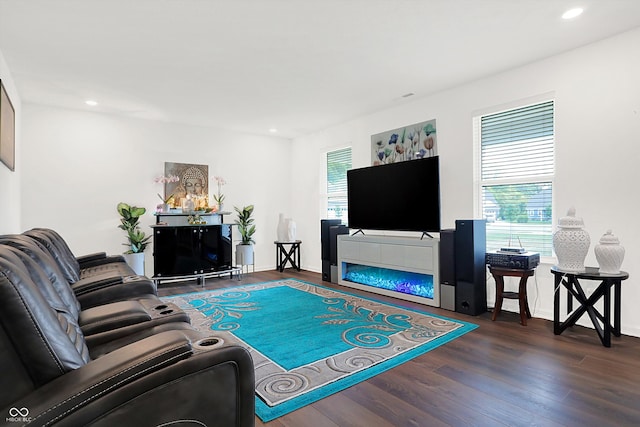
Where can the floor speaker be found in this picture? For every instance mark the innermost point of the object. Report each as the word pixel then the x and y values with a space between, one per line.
pixel 470 298
pixel 447 270
pixel 334 232
pixel 325 238
pixel 470 268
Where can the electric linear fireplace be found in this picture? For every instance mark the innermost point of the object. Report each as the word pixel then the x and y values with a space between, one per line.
pixel 406 282
pixel 405 268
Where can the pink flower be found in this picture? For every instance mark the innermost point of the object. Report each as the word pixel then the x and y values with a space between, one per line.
pixel 165 179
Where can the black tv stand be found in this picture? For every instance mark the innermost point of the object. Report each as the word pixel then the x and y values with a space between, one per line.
pixel 427 234
pixel 359 231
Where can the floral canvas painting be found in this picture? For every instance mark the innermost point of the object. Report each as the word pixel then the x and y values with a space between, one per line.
pixel 407 143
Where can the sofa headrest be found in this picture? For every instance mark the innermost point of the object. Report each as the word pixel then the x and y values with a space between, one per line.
pixel 36 331
pixel 46 262
pixel 59 250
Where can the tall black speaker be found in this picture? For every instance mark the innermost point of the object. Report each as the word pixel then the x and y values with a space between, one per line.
pixel 447 269
pixel 334 232
pixel 328 246
pixel 325 239
pixel 470 270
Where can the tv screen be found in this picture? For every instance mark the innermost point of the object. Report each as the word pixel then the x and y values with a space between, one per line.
pixel 402 196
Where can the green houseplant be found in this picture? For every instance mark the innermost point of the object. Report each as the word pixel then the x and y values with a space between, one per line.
pixel 137 241
pixel 247 228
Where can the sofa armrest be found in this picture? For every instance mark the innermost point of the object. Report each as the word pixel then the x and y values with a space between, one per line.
pixel 105 289
pixel 160 379
pixel 98 258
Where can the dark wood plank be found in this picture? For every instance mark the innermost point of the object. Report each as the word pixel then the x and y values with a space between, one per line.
pixel 499 374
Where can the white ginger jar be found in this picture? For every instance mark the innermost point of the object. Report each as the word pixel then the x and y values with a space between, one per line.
pixel 571 242
pixel 609 253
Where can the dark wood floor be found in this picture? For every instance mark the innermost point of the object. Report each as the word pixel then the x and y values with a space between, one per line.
pixel 499 374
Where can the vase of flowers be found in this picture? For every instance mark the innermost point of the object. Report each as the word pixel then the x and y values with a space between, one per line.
pixel 219 197
pixel 167 201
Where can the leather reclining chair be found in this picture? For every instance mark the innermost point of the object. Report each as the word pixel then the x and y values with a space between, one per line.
pixel 53 368
pixel 171 378
pixel 124 321
pixel 82 267
pixel 95 278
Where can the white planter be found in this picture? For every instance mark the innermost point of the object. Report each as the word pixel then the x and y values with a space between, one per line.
pixel 136 262
pixel 244 254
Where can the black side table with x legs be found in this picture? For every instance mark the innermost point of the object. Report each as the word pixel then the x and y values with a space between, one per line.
pixel 601 321
pixel 284 255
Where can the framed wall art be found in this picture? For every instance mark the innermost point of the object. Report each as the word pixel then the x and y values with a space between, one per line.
pixel 194 181
pixel 7 130
pixel 406 143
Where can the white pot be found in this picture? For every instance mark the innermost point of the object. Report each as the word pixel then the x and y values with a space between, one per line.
pixel 244 254
pixel 136 262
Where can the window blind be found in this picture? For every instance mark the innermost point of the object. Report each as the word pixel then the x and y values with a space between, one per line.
pixel 517 171
pixel 338 163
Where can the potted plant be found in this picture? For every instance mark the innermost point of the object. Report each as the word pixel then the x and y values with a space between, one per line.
pixel 246 227
pixel 137 241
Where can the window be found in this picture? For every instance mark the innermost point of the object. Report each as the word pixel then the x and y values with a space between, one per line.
pixel 516 176
pixel 338 163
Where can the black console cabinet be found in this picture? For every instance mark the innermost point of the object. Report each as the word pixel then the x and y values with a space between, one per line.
pixel 191 250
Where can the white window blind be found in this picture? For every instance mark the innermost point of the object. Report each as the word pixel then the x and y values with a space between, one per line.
pixel 338 163
pixel 517 172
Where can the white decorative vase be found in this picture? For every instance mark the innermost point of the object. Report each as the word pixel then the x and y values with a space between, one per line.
pixel 291 230
pixel 609 253
pixel 571 243
pixel 282 228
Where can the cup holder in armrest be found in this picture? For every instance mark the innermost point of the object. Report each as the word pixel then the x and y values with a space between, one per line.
pixel 208 343
pixel 163 309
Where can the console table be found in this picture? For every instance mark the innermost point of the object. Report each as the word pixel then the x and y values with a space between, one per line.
pixel 183 251
pixel 601 321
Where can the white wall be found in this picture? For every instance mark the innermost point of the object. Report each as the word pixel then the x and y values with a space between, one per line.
pixel 10 181
pixel 597 93
pixel 79 165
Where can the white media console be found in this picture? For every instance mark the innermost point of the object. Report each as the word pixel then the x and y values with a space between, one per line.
pixel 384 259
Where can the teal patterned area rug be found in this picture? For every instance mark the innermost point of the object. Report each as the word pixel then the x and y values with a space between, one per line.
pixel 308 341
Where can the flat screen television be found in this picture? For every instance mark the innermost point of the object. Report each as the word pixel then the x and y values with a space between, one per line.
pixel 402 196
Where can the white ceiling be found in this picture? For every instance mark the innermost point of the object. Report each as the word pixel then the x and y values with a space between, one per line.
pixel 295 65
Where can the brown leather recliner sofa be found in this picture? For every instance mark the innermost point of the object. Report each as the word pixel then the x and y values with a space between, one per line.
pixel 119 363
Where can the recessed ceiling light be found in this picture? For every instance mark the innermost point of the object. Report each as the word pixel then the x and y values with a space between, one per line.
pixel 91 102
pixel 273 130
pixel 572 13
